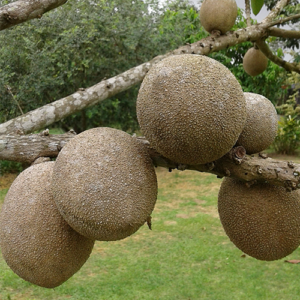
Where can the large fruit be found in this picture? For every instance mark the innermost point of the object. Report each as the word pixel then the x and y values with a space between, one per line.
pixel 261 124
pixel 254 62
pixel 104 184
pixel 36 242
pixel 262 220
pixel 218 15
pixel 191 108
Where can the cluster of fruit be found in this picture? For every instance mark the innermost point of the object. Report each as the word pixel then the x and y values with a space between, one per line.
pixel 103 185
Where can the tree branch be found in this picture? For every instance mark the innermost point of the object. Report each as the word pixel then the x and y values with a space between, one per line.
pixel 290 34
pixel 55 111
pixel 22 11
pixel 28 148
pixel 281 21
pixel 236 164
pixel 248 12
pixel 269 54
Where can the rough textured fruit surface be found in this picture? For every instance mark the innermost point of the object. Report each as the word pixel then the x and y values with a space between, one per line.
pixel 191 108
pixel 218 15
pixel 104 184
pixel 263 220
pixel 254 62
pixel 261 124
pixel 36 242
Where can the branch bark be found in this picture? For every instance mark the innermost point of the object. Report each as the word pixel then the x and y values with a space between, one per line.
pixel 248 12
pixel 290 34
pixel 28 148
pixel 34 148
pixel 22 11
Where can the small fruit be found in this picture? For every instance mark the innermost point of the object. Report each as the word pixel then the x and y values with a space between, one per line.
pixel 36 242
pixel 104 184
pixel 218 15
pixel 191 108
pixel 261 220
pixel 261 124
pixel 254 62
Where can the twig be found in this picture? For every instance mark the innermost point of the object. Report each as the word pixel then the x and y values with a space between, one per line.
pixel 14 97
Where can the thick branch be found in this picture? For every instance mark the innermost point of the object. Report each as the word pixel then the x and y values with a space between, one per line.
pixel 27 148
pixel 22 11
pixel 290 34
pixel 236 164
pixel 48 114
pixel 269 54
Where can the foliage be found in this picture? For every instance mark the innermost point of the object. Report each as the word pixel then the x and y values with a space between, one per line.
pixel 80 44
pixel 287 140
pixel 10 167
pixel 256 6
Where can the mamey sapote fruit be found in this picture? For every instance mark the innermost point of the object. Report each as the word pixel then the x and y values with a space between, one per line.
pixel 104 184
pixel 191 108
pixel 36 242
pixel 261 124
pixel 218 15
pixel 254 62
pixel 261 220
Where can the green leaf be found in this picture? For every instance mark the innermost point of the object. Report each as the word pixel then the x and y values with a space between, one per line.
pixel 256 6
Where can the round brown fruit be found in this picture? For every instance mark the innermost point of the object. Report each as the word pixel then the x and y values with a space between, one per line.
pixel 36 242
pixel 254 62
pixel 191 109
pixel 262 220
pixel 261 124
pixel 218 15
pixel 104 184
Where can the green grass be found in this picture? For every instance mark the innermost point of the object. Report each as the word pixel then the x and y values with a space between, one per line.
pixel 186 256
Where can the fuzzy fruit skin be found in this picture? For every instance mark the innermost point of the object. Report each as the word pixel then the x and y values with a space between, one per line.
pixel 261 124
pixel 254 62
pixel 104 184
pixel 262 220
pixel 36 242
pixel 191 108
pixel 218 15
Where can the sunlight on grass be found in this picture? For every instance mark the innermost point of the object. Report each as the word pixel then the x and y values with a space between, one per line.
pixel 186 256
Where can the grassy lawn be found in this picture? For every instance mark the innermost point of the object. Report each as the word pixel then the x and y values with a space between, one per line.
pixel 186 256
